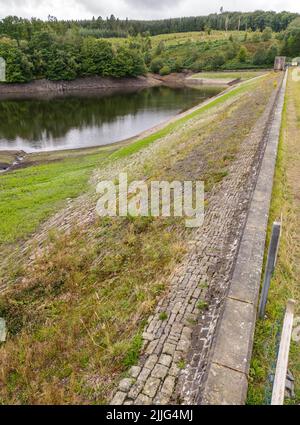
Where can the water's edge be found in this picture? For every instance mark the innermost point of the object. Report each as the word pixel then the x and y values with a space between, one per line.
pixel 87 83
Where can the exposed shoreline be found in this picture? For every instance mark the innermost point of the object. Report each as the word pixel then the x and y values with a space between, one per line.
pixel 87 83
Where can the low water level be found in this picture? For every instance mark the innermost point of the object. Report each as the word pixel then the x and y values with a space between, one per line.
pixel 78 120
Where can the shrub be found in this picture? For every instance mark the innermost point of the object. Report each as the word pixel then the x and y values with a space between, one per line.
pixel 217 61
pixel 267 34
pixel 242 55
pixel 260 57
pixel 165 70
pixel 256 37
pixel 156 65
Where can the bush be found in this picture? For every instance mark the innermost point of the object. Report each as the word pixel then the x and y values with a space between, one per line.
pixel 256 37
pixel 260 57
pixel 267 34
pixel 156 65
pixel 178 67
pixel 197 66
pixel 243 53
pixel 165 70
pixel 217 61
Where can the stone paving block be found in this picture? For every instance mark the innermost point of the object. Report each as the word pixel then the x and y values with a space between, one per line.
pixel 118 399
pixel 151 361
pixel 134 371
pixel 151 347
pixel 183 346
pixel 174 370
pixel 159 371
pixel 161 399
pixel 178 356
pixel 143 400
pixel 125 384
pixel 143 375
pixel 165 360
pixel 136 389
pixel 151 387
pixel 169 349
pixel 148 336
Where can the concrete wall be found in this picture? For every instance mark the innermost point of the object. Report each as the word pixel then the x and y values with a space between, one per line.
pixel 227 378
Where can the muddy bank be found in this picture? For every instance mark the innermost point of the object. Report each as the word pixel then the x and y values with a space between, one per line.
pixel 88 83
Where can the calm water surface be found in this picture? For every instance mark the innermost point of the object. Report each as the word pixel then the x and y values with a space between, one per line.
pixel 77 120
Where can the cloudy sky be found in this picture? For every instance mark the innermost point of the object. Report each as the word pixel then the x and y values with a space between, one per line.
pixel 142 9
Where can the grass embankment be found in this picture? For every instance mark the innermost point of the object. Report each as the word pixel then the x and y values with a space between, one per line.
pixel 30 195
pixel 285 284
pixel 76 315
pixel 242 75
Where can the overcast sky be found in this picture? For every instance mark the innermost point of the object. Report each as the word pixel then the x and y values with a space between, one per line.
pixel 141 9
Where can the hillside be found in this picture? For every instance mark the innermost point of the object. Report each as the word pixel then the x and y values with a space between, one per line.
pixel 59 50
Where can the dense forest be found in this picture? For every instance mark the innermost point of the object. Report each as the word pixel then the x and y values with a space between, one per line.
pixel 65 50
pixel 23 29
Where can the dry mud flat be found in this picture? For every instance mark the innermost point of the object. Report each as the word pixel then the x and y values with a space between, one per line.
pixel 223 146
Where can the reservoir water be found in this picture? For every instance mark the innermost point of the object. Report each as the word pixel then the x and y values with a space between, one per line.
pixel 85 119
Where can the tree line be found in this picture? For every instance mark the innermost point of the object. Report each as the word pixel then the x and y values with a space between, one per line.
pixel 20 29
pixel 48 55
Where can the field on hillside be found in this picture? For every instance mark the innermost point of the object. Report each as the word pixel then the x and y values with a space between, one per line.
pixel 206 51
pixel 82 56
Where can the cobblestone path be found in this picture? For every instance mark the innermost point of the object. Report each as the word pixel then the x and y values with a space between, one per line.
pixel 176 350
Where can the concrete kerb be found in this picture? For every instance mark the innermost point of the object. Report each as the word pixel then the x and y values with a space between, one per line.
pixel 227 378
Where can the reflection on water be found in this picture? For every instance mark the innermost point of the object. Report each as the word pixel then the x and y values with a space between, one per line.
pixel 76 120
